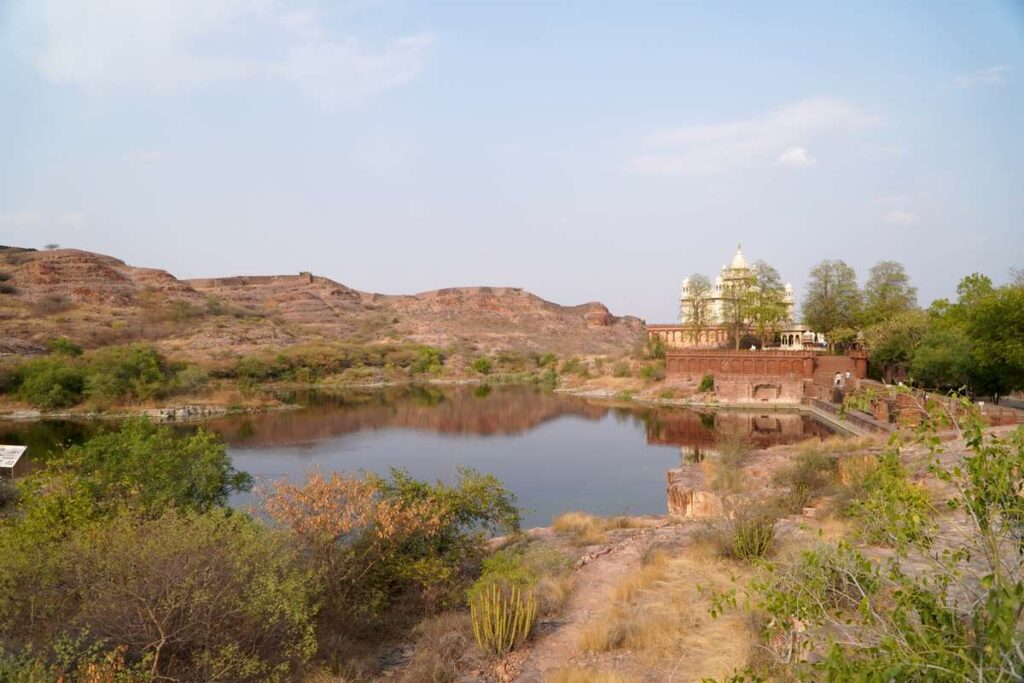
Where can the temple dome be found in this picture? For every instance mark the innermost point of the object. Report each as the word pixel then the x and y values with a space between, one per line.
pixel 738 261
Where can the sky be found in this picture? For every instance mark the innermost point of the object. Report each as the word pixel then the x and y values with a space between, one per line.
pixel 584 151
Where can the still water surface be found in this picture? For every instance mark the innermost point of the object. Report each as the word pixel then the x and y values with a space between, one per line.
pixel 555 452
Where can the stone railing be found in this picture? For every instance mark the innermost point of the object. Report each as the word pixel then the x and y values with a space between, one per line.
pixel 861 422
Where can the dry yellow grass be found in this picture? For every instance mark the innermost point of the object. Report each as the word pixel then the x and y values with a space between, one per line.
pixel 585 529
pixel 659 612
pixel 578 675
pixel 840 444
pixel 552 592
pixel 645 578
pixel 588 529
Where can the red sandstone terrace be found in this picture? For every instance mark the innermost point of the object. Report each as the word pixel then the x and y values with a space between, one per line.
pixel 693 363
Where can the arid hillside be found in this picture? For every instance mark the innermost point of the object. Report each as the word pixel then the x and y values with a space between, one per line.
pixel 97 300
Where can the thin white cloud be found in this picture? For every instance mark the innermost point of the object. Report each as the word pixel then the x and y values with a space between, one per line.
pixel 798 157
pixel 993 75
pixel 342 71
pixel 167 46
pixel 901 217
pixel 714 148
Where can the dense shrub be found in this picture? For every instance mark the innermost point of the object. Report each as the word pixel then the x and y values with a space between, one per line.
pixel 51 382
pixel 573 366
pixel 653 371
pixel 481 365
pixel 224 597
pixel 189 596
pixel 110 376
pixel 707 383
pixel 428 360
pixel 891 510
pixel 375 539
pixel 810 474
pixel 65 346
pixel 127 373
pixel 147 467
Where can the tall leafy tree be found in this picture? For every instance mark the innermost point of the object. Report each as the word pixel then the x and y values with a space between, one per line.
pixel 833 300
pixel 696 311
pixel 766 302
pixel 995 325
pixel 888 292
pixel 894 342
pixel 736 305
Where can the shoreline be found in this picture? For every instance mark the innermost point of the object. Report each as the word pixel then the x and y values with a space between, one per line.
pixel 198 412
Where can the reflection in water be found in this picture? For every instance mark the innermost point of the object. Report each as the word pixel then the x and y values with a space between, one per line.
pixel 555 452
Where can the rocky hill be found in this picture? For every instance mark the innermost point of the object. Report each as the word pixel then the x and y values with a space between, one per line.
pixel 97 300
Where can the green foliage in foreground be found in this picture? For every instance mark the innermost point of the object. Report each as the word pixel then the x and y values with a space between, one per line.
pixel 891 510
pixel 949 613
pixel 150 468
pixel 120 561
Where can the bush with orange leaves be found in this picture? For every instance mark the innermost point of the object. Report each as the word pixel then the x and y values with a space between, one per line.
pixel 373 540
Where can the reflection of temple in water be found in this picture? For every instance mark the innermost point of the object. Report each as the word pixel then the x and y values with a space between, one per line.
pixel 695 433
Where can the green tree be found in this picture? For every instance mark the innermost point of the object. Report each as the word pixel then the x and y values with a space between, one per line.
pixel 148 467
pixel 972 289
pixel 737 304
pixel 943 359
pixel 893 342
pixel 833 300
pixel 766 302
pixel 695 312
pixel 995 325
pixel 887 292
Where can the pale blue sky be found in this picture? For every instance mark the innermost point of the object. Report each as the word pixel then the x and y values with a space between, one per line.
pixel 584 151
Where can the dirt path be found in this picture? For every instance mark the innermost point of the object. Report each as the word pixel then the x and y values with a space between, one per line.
pixel 558 645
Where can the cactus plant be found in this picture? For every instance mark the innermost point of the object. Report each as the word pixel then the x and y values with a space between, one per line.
pixel 502 618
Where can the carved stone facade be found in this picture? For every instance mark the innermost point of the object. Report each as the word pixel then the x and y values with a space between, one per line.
pixel 714 332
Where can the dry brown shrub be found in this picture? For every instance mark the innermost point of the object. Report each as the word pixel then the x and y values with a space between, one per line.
pixel 349 532
pixel 441 643
pixel 51 304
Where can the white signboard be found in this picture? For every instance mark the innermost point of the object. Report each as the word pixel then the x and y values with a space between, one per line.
pixel 9 455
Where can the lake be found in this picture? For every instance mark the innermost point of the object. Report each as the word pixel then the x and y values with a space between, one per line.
pixel 555 452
